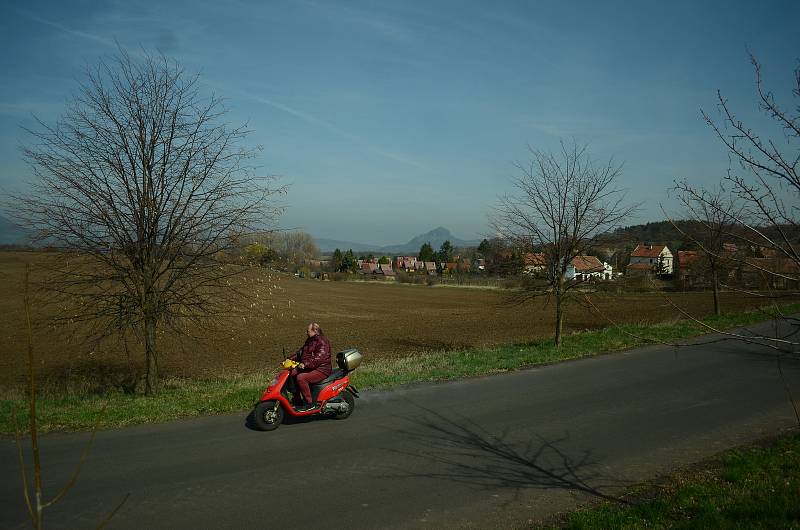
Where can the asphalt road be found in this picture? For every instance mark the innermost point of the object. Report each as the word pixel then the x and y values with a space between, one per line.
pixel 489 452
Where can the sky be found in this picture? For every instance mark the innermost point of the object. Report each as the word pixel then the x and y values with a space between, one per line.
pixel 388 119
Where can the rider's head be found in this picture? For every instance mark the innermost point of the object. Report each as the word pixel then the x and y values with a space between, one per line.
pixel 314 330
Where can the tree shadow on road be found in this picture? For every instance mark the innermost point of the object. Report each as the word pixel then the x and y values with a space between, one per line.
pixel 459 450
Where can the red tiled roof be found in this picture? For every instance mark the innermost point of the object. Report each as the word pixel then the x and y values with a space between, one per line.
pixel 688 257
pixel 639 266
pixel 534 259
pixel 587 263
pixel 775 265
pixel 647 251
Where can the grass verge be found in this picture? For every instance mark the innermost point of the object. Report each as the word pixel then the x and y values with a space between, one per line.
pixel 183 398
pixel 751 487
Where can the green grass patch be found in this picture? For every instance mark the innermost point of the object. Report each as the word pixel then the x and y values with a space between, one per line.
pixel 475 362
pixel 747 488
pixel 183 398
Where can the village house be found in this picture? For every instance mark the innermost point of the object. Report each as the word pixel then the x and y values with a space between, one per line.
pixel 582 268
pixel 690 267
pixel 369 267
pixel 405 263
pixel 386 270
pixel 377 269
pixel 533 262
pixel 457 265
pixel 693 267
pixel 770 273
pixel 650 258
pixel 412 264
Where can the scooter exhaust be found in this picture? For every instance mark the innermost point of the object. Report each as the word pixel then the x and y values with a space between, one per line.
pixel 337 406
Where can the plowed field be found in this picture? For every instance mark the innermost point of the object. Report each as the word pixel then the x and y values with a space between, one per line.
pixel 381 319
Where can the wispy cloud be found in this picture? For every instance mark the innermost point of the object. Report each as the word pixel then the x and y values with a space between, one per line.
pixel 310 118
pixel 77 33
pixel 382 24
pixel 29 107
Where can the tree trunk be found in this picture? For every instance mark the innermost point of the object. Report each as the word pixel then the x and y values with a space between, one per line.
pixel 151 358
pixel 715 285
pixel 559 319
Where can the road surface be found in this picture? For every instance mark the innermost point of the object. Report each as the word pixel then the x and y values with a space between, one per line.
pixel 495 451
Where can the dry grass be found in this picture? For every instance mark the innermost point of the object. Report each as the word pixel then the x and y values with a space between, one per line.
pixel 383 320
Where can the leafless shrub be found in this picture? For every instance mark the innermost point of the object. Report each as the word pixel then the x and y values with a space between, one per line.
pixel 36 503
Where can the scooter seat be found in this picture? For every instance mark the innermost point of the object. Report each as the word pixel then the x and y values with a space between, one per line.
pixel 336 374
pixel 316 388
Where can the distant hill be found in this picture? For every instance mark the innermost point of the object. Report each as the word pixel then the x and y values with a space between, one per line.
pixel 11 233
pixel 435 237
pixel 329 245
pixel 655 232
pixel 664 233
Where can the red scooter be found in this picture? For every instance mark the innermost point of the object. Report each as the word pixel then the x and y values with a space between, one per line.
pixel 335 395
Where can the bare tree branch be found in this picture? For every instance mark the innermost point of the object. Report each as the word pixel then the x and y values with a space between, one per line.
pixel 563 202
pixel 37 506
pixel 757 207
pixel 146 191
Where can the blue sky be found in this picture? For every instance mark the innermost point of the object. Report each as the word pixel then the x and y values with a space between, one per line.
pixel 388 119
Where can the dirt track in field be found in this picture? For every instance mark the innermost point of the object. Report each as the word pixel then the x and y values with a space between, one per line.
pixel 380 319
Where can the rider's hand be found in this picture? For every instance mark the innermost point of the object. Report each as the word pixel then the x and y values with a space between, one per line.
pixel 301 366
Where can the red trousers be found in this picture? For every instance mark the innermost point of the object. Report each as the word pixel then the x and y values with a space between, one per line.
pixel 305 379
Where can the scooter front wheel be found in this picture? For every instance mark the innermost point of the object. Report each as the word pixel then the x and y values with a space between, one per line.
pixel 268 415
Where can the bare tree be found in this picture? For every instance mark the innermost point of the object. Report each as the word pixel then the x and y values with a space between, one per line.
pixel 287 247
pixel 765 174
pixel 145 188
pixel 763 178
pixel 716 212
pixel 295 246
pixel 562 203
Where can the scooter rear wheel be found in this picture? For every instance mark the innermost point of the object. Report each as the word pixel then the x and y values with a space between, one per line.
pixel 351 404
pixel 268 415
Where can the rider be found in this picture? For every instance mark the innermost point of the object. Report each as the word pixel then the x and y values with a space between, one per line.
pixel 315 363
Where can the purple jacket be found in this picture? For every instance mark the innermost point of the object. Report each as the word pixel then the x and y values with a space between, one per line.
pixel 315 354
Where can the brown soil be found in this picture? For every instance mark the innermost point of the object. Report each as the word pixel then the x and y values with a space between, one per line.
pixel 378 318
